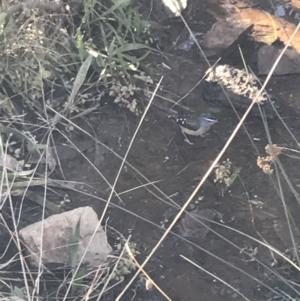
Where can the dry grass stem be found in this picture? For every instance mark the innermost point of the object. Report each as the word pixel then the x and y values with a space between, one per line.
pixel 149 282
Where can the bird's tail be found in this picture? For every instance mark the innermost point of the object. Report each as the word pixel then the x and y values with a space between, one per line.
pixel 164 109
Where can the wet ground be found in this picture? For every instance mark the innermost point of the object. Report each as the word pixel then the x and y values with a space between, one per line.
pixel 251 206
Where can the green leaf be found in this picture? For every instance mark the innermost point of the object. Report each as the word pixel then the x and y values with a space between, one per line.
pixel 80 78
pixel 78 280
pixel 18 292
pixel 233 177
pixel 119 4
pixel 80 46
pixel 74 246
pixel 134 59
pixel 130 47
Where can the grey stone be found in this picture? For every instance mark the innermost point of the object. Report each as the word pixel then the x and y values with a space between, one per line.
pixel 58 235
pixel 288 64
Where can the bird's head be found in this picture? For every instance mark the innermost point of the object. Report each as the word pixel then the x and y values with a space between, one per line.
pixel 207 120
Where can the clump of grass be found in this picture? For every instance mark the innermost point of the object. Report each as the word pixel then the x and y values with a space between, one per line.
pixel 226 174
pixel 41 51
pixel 126 265
pixel 126 94
pixel 222 172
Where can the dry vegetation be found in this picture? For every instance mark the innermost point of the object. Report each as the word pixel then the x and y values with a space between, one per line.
pixel 266 162
pixel 56 50
pixel 43 52
pixel 54 64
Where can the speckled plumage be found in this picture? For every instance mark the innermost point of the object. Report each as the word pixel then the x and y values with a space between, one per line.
pixel 194 125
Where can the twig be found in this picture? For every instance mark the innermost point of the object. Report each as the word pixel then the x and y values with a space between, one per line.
pixel 147 276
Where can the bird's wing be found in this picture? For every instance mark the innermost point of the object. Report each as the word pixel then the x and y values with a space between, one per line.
pixel 187 121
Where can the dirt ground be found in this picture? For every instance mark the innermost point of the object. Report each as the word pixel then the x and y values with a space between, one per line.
pixel 251 206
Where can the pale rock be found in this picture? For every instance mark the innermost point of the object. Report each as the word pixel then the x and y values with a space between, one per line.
pixel 224 33
pixel 58 235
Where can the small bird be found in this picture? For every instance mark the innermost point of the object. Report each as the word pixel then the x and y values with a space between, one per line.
pixel 194 125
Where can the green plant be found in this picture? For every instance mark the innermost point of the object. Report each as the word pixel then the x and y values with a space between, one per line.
pixel 35 52
pixel 38 55
pixel 126 264
pixel 17 292
pixel 78 279
pixel 121 45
